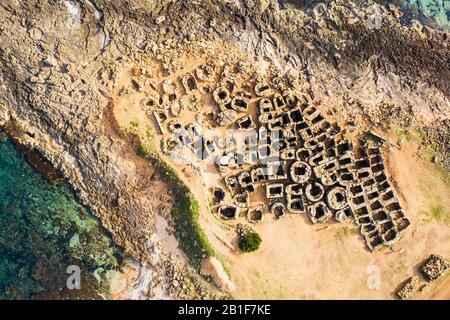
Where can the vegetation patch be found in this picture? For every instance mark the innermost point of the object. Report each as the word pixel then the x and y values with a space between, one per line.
pixel 347 231
pixel 149 134
pixel 437 213
pixel 437 158
pixel 399 267
pixel 143 151
pixel 403 133
pixel 250 242
pixel 185 211
pixel 134 127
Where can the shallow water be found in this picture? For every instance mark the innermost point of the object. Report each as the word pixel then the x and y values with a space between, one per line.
pixel 43 230
pixel 433 13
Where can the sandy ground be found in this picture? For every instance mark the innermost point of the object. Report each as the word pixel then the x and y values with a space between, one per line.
pixel 442 290
pixel 298 260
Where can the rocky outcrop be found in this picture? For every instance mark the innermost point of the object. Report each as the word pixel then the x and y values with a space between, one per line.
pixel 434 267
pixel 213 268
pixel 411 287
pixel 438 137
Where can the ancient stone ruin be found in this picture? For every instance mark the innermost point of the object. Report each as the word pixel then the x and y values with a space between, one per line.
pixel 300 161
pixel 411 286
pixel 434 267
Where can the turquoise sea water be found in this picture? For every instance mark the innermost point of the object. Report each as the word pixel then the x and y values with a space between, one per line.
pixel 435 13
pixel 43 230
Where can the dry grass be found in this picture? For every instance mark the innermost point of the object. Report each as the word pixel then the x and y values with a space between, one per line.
pixel 347 231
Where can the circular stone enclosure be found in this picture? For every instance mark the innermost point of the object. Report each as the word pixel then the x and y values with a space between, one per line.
pixel 336 198
pixel 314 192
pixel 300 172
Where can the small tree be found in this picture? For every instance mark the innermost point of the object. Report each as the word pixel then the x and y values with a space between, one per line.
pixel 250 242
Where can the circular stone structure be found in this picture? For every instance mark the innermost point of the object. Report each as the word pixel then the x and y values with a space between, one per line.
pixel 314 192
pixel 336 198
pixel 255 214
pixel 218 194
pixel 226 117
pixel 222 96
pixel 223 160
pixel 300 172
pixel 319 212
pixel 175 126
pixel 278 210
pixel 229 212
pixel 340 216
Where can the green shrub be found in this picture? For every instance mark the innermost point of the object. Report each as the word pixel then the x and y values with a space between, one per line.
pixel 143 152
pixel 403 133
pixel 250 242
